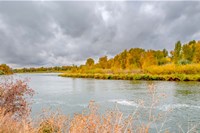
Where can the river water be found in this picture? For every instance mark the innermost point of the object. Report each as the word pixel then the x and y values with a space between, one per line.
pixel 72 95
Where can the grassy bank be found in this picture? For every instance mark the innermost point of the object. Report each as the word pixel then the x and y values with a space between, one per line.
pixel 170 77
pixel 41 72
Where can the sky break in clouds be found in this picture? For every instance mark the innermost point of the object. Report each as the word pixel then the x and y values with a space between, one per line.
pixel 41 33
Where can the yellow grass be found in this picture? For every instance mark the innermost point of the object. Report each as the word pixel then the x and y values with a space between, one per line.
pixel 174 69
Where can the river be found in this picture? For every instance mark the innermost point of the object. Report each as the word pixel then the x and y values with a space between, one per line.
pixel 72 95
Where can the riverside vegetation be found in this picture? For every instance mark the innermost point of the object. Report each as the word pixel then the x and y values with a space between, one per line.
pixel 5 69
pixel 15 98
pixel 182 64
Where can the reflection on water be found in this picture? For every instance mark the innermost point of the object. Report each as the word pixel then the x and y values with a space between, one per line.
pixel 73 95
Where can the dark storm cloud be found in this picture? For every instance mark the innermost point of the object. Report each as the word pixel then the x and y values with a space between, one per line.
pixel 63 33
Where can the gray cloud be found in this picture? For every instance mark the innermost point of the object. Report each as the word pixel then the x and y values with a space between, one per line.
pixel 64 33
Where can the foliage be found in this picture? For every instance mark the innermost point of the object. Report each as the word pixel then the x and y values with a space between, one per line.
pixel 103 62
pixel 1 72
pixel 52 122
pixel 13 97
pixel 5 69
pixel 46 69
pixel 177 52
pixel 196 58
pixel 89 62
pixel 10 125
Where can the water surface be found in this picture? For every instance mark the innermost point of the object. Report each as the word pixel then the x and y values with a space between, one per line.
pixel 72 95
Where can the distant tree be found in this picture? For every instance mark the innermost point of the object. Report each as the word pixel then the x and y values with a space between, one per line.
pixel 188 52
pixel 177 52
pixel 116 62
pixel 161 56
pixel 110 63
pixel 192 42
pixel 165 52
pixel 89 62
pixel 123 59
pixel 103 62
pixel 148 59
pixel 196 58
pixel 5 69
pixel 134 57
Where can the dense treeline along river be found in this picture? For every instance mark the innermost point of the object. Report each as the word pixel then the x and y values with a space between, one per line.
pixel 72 95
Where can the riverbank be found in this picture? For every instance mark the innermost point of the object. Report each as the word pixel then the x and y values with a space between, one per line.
pixel 170 77
pixel 38 72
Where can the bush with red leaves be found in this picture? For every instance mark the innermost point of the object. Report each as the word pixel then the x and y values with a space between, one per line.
pixel 14 96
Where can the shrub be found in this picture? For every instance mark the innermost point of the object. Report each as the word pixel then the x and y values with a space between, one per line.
pixel 10 125
pixel 13 97
pixel 53 122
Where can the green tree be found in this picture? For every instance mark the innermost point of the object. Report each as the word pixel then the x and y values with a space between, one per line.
pixel 188 52
pixel 134 55
pixel 123 59
pixel 161 56
pixel 165 52
pixel 177 52
pixel 196 58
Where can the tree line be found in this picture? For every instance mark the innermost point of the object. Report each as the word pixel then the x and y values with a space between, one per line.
pixel 138 58
pixel 132 59
pixel 45 69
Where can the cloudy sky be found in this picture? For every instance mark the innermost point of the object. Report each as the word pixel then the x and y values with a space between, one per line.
pixel 63 33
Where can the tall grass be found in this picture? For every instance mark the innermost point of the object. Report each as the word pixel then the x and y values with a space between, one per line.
pixel 174 69
pixel 167 77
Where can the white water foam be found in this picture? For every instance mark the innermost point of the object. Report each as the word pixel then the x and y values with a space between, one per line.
pixel 176 106
pixel 165 107
pixel 124 102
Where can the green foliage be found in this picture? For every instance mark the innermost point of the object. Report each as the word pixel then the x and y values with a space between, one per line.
pixel 1 72
pixel 184 62
pixel 177 52
pixel 123 59
pixel 134 57
pixel 188 51
pixel 196 58
pixel 46 69
pixel 165 52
